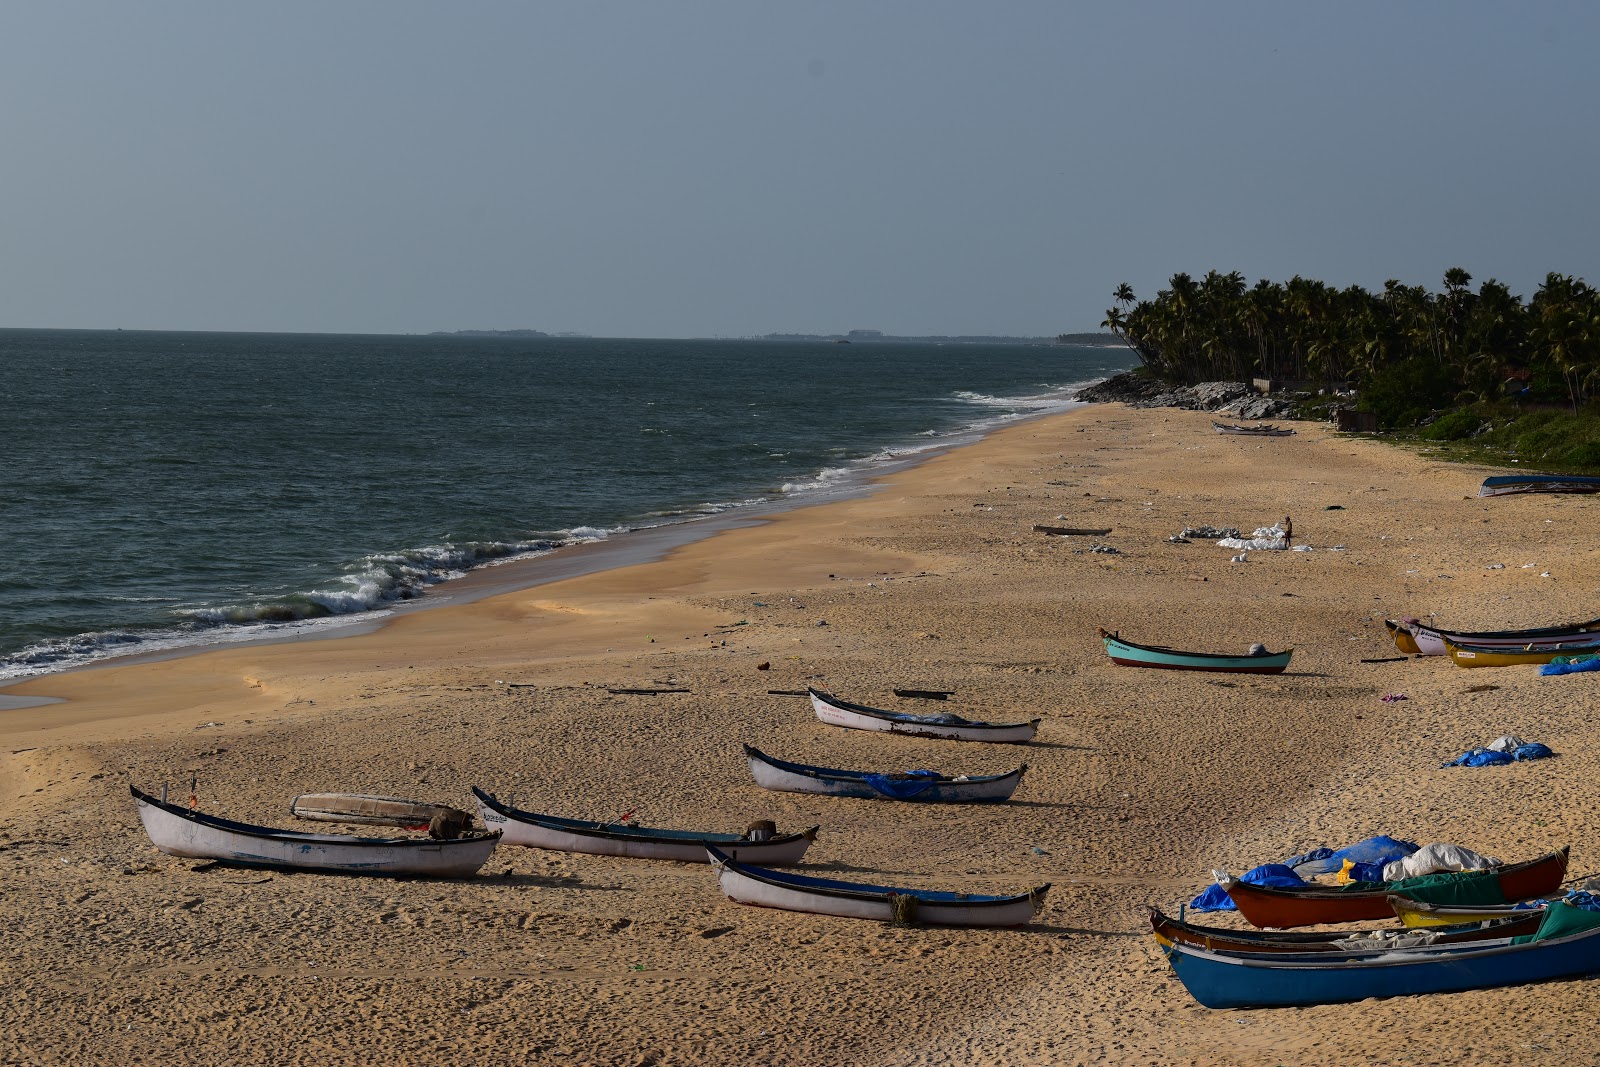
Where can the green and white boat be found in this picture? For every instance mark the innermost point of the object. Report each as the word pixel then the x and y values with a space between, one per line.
pixel 1129 654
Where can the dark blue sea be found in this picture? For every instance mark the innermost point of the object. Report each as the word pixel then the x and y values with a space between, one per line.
pixel 167 489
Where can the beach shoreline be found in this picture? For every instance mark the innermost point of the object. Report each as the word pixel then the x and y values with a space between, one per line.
pixel 1140 783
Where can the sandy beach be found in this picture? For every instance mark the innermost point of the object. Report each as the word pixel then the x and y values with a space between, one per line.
pixel 1140 783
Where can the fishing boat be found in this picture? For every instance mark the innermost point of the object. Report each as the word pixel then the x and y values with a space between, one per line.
pixel 1260 429
pixel 1387 939
pixel 1265 980
pixel 928 787
pixel 1284 908
pixel 1129 654
pixel 1072 531
pixel 749 884
pixel 1473 655
pixel 1417 638
pixel 1419 914
pixel 181 831
pixel 836 712
pixel 625 839
pixel 1506 484
pixel 362 809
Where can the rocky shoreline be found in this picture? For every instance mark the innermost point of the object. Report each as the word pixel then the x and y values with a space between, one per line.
pixel 1238 399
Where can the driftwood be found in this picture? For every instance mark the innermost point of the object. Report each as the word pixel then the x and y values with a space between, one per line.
pixel 926 694
pixel 1071 531
pixel 644 692
pixel 787 693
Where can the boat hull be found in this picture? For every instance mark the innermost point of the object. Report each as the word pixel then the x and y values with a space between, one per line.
pixel 1417 915
pixel 1219 980
pixel 1213 939
pixel 1128 654
pixel 533 830
pixel 771 773
pixel 1252 431
pixel 747 884
pixel 1284 909
pixel 1488 656
pixel 1506 484
pixel 180 832
pixel 859 717
pixel 1430 640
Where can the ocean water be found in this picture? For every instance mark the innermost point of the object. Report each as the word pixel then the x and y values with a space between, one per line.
pixel 167 489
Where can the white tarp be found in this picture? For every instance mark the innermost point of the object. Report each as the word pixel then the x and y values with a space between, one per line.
pixel 1430 859
pixel 1267 538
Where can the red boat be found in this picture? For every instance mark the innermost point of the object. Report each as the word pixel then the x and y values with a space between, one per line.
pixel 1279 909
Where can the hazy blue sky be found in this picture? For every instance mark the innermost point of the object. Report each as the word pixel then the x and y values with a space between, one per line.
pixel 695 168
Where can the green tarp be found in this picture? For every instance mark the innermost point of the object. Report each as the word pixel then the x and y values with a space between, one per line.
pixel 1452 888
pixel 1562 920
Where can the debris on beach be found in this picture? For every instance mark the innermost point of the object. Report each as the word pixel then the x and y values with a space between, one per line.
pixel 1508 748
pixel 1274 538
pixel 1208 533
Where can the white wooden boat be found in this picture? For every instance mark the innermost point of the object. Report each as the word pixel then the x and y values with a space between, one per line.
pixel 836 712
pixel 763 888
pixel 918 786
pixel 180 831
pixel 363 809
pixel 640 842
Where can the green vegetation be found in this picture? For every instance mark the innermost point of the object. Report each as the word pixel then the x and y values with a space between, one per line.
pixel 1482 372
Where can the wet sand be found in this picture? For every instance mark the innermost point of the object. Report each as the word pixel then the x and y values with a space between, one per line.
pixel 1140 783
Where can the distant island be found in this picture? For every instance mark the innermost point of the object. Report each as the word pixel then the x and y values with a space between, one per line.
pixel 502 333
pixel 879 337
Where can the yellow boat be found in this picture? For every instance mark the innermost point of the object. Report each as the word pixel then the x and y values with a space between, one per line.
pixel 1414 913
pixel 1404 640
pixel 1481 656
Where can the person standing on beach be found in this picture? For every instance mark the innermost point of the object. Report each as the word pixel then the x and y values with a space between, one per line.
pixel 1288 531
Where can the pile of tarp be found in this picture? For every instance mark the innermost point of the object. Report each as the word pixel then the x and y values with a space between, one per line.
pixel 1571 664
pixel 1266 538
pixel 1367 856
pixel 1508 748
pixel 1209 533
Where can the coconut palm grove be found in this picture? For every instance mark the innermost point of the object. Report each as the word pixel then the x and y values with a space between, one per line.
pixel 1519 377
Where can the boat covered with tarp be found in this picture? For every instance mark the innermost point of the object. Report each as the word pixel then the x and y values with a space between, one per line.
pixel 1283 908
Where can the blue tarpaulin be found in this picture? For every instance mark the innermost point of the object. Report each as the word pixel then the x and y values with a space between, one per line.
pixel 902 788
pixel 1374 850
pixel 1571 665
pixel 1215 898
pixel 1485 757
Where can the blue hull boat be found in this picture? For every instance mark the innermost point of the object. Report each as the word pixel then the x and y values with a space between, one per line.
pixel 1245 980
pixel 1505 484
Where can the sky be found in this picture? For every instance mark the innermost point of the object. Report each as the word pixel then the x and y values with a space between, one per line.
pixel 695 168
